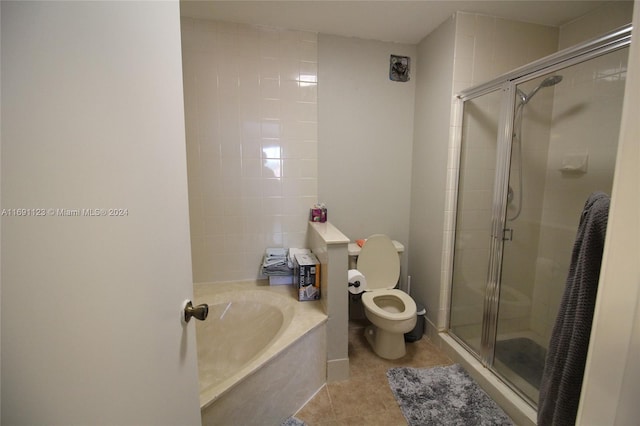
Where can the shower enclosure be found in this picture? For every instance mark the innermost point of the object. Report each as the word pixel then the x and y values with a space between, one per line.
pixel 534 144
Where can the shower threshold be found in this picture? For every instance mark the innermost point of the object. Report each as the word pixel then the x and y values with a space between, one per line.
pixel 513 403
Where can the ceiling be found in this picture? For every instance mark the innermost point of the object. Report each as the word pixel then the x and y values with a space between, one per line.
pixel 391 20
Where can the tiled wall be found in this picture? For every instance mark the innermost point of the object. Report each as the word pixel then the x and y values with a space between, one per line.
pixel 478 151
pixel 557 123
pixel 485 47
pixel 251 120
pixel 607 17
pixel 586 119
pixel 524 212
pixel 429 168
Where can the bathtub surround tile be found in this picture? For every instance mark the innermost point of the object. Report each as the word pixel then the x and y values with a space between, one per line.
pixel 250 102
pixel 366 397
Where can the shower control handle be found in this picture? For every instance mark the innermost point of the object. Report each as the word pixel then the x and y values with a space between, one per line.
pixel 200 312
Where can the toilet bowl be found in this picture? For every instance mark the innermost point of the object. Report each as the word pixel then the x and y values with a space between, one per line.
pixel 391 312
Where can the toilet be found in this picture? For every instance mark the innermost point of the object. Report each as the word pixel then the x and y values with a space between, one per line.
pixel 392 312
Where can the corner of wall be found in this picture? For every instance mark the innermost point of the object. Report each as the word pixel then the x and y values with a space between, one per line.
pixel 431 133
pixel 603 19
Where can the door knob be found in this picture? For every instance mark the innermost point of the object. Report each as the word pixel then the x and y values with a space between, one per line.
pixel 199 312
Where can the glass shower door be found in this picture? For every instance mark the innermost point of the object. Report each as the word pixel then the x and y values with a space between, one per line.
pixel 565 136
pixel 478 153
pixel 534 145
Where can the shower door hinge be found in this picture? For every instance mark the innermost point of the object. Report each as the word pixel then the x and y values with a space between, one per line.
pixel 507 234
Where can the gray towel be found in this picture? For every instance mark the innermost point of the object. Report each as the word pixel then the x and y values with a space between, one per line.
pixel 564 365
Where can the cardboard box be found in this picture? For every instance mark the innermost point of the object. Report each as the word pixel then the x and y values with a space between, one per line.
pixel 306 276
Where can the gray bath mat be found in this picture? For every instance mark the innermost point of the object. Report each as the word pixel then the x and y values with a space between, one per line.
pixel 293 421
pixel 443 396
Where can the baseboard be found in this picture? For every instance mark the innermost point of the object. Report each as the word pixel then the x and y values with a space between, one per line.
pixel 337 370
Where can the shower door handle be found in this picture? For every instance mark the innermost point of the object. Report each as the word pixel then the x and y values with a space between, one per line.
pixel 507 234
pixel 200 312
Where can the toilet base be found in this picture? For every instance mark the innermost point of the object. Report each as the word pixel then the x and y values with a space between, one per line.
pixel 386 345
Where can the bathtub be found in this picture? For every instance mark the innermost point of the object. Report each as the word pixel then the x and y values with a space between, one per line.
pixel 261 352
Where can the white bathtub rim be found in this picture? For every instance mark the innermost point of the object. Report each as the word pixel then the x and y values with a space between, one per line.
pixel 312 311
pixel 219 298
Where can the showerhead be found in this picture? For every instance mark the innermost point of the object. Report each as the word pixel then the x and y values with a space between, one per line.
pixel 547 82
pixel 551 81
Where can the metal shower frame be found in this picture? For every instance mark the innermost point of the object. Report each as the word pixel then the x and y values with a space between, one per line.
pixel 615 40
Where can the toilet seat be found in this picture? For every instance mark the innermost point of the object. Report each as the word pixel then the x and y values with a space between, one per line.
pixel 392 312
pixel 368 299
pixel 380 265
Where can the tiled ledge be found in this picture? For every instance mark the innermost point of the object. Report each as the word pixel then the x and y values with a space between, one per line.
pixel 329 233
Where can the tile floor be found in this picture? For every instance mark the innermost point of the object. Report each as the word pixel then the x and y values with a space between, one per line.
pixel 366 398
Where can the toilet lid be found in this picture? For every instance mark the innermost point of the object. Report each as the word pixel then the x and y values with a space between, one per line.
pixel 379 263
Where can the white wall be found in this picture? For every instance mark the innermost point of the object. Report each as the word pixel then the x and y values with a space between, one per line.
pixel 92 117
pixel 251 117
pixel 429 164
pixel 365 137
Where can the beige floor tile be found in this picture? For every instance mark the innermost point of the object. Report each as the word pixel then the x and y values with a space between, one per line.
pixel 327 423
pixel 388 418
pixel 318 410
pixel 356 396
pixel 366 398
pixel 352 421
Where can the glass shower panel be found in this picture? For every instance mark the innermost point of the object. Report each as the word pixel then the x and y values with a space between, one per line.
pixel 473 219
pixel 565 135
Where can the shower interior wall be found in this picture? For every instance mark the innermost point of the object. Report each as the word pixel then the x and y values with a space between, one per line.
pixel 466 50
pixel 520 254
pixel 483 47
pixel 596 88
pixel 536 261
